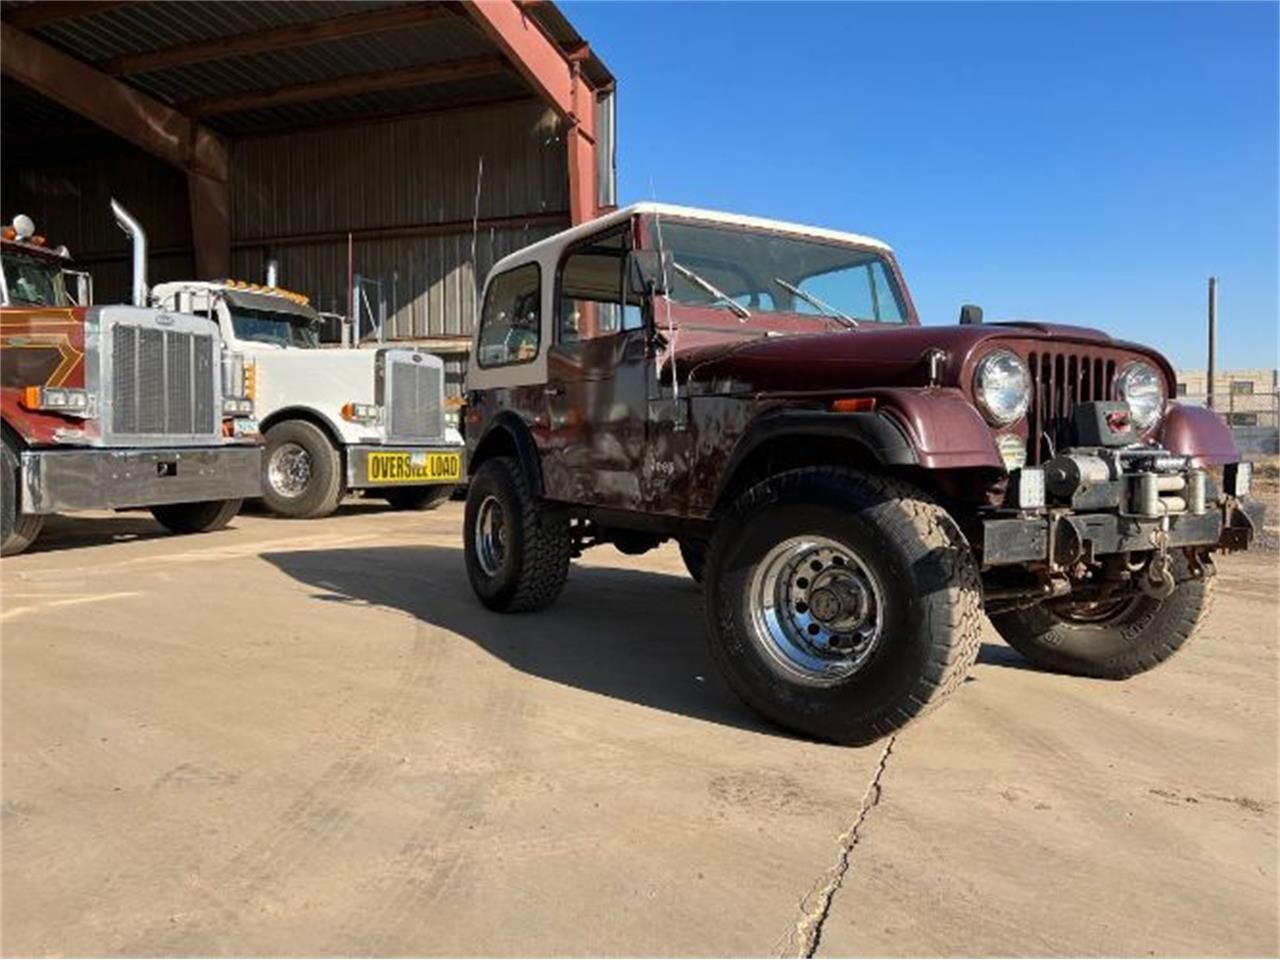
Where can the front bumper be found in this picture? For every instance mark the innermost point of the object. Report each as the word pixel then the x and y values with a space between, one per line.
pixel 100 478
pixel 401 465
pixel 1062 538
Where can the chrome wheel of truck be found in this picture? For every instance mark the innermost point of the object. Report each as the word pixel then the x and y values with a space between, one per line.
pixel 301 471
pixel 1109 641
pixel 841 604
pixel 289 470
pixel 816 609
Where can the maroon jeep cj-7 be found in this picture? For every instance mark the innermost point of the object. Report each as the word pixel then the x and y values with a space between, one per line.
pixel 853 490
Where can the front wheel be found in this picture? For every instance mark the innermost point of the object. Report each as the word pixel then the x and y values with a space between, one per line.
pixel 17 529
pixel 517 545
pixel 1108 641
pixel 841 604
pixel 301 471
pixel 203 517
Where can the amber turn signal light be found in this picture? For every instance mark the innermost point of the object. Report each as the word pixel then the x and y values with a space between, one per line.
pixel 854 404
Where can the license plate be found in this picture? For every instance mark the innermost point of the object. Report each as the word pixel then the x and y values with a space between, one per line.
pixel 418 467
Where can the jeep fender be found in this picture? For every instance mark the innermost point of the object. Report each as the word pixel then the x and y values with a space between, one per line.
pixel 943 427
pixel 1198 433
pixel 507 435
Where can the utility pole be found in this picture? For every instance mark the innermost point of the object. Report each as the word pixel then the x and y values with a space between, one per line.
pixel 1213 337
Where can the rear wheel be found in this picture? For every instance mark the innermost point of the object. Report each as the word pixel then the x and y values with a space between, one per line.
pixel 1110 641
pixel 301 471
pixel 841 604
pixel 417 498
pixel 517 545
pixel 203 517
pixel 17 529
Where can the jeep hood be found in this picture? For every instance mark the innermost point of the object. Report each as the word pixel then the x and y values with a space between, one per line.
pixel 870 356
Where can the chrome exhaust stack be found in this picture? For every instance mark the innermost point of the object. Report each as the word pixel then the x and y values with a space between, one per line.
pixel 273 272
pixel 138 238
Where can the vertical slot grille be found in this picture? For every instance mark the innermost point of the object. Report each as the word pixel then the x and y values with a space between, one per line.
pixel 1059 381
pixel 414 409
pixel 162 383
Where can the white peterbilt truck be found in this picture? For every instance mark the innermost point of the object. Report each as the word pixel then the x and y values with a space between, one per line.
pixel 334 419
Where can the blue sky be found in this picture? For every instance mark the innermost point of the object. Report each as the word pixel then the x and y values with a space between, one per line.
pixel 1088 163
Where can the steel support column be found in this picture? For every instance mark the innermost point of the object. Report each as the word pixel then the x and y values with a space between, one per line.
pixel 557 79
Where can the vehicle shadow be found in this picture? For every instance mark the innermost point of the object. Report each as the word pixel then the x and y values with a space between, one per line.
pixel 74 532
pixel 626 634
pixel 1000 655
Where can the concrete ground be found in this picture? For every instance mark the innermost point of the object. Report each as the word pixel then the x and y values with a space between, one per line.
pixel 308 739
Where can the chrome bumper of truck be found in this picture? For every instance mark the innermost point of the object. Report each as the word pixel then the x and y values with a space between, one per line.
pixel 99 478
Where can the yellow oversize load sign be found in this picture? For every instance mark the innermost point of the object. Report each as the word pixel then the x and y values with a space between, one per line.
pixel 420 467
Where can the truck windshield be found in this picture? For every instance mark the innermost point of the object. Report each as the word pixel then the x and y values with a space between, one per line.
pixel 774 273
pixel 270 326
pixel 34 281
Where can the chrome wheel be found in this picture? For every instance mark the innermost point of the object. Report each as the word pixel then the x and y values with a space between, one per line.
pixel 289 470
pixel 491 536
pixel 816 610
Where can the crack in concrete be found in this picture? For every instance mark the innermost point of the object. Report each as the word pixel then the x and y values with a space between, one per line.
pixel 802 942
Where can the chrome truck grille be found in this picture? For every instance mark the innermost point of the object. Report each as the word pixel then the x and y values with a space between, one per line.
pixel 1059 381
pixel 415 396
pixel 160 383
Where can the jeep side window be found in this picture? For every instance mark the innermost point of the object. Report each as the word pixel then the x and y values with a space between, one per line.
pixel 592 289
pixel 511 321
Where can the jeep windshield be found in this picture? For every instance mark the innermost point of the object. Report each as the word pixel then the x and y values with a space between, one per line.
pixel 776 273
pixel 34 281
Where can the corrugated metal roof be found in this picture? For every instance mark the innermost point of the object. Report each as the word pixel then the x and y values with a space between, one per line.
pixel 158 25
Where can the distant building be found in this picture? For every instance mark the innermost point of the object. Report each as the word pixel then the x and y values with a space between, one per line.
pixel 1249 400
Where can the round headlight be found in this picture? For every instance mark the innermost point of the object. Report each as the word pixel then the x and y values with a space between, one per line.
pixel 1142 387
pixel 1002 387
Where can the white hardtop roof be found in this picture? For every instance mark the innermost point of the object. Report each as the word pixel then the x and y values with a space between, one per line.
pixel 535 250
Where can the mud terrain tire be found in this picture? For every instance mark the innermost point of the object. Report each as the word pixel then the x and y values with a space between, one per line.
pixel 906 545
pixel 1137 636
pixel 520 559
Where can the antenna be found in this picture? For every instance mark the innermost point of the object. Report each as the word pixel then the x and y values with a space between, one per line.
pixel 475 229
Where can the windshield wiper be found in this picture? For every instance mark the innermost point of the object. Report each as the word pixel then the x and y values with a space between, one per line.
pixel 742 312
pixel 813 301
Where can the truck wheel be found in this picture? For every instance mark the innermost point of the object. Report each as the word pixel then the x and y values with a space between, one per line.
pixel 517 545
pixel 301 471
pixel 694 555
pixel 17 529
pixel 417 498
pixel 1109 641
pixel 841 604
pixel 203 517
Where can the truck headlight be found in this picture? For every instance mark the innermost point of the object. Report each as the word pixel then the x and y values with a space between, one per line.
pixel 1002 387
pixel 70 401
pixel 361 412
pixel 1141 386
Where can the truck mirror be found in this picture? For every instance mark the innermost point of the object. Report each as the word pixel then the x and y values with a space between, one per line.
pixel 970 314
pixel 647 272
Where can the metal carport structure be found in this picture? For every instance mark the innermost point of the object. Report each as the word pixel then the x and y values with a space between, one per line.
pixel 436 137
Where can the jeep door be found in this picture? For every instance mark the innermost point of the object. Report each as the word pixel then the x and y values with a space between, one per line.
pixel 597 383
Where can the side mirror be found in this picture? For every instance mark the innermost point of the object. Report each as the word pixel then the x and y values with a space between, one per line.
pixel 647 272
pixel 970 314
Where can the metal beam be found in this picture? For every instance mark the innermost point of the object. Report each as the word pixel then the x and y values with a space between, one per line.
pixel 142 120
pixel 35 15
pixel 277 38
pixel 558 79
pixel 420 76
